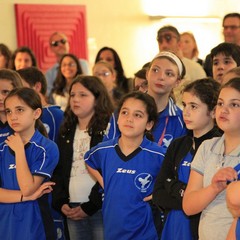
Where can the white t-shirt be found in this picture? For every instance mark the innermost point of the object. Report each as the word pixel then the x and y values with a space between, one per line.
pixel 81 182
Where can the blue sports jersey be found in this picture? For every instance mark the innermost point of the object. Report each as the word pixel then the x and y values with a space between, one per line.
pixel 169 126
pixel 177 225
pixel 52 117
pixel 5 131
pixel 127 180
pixel 27 220
pixel 238 230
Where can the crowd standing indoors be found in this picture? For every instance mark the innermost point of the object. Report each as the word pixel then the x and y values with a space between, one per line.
pixel 102 156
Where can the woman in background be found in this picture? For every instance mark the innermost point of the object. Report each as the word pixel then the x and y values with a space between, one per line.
pixel 23 57
pixel 189 47
pixel 110 55
pixel 5 56
pixel 69 68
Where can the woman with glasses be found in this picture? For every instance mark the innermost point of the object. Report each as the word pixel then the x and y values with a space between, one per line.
pixel 110 55
pixel 107 74
pixel 69 68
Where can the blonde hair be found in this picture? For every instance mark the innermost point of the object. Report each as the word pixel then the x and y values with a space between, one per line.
pixel 195 51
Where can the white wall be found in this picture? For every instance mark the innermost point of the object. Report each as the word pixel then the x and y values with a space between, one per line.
pixel 125 26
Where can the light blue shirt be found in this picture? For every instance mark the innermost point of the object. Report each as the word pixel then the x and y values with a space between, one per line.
pixel 51 73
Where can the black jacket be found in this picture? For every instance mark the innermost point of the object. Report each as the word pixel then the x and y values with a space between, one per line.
pixel 168 190
pixel 61 175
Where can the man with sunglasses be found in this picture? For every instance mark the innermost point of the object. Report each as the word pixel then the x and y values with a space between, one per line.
pixel 168 39
pixel 59 45
pixel 231 34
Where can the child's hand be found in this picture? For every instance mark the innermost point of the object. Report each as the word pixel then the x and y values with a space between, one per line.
pixel 43 189
pixel 221 177
pixel 148 198
pixel 15 142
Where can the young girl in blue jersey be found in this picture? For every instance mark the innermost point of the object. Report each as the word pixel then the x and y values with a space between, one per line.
pixel 199 101
pixel 127 167
pixel 27 160
pixel 213 167
pixel 86 118
pixel 9 80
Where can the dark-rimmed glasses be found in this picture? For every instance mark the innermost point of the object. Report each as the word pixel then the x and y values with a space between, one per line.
pixel 167 37
pixel 231 27
pixel 56 43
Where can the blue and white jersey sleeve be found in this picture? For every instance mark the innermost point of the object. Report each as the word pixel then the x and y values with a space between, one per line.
pixel 112 130
pixel 42 155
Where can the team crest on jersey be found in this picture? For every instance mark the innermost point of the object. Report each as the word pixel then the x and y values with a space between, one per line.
pixel 167 140
pixel 46 127
pixel 143 181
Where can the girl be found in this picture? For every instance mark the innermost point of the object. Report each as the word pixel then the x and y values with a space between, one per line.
pixel 198 115
pixel 27 159
pixel 86 118
pixel 128 167
pixel 69 68
pixel 165 73
pixel 212 168
pixel 23 57
pixel 9 80
pixel 107 74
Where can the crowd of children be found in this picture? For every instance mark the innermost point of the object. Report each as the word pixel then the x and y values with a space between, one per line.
pixel 110 158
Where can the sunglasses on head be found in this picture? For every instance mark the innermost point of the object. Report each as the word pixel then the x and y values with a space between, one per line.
pixel 167 37
pixel 56 43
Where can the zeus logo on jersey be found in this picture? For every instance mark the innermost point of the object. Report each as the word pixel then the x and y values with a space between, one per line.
pixel 143 181
pixel 186 164
pixel 12 166
pixel 129 171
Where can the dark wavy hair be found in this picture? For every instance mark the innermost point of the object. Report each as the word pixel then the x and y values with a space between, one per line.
pixel 23 49
pixel 5 51
pixel 148 101
pixel 60 81
pixel 102 110
pixel 122 80
pixel 32 99
pixel 206 89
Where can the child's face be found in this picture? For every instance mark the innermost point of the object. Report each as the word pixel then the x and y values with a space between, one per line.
pixel 221 65
pixel 162 77
pixel 20 116
pixel 133 119
pixel 228 110
pixel 196 114
pixel 82 101
pixel 5 88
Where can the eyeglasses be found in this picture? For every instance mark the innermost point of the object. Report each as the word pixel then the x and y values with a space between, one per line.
pixel 231 27
pixel 167 37
pixel 143 85
pixel 56 43
pixel 69 65
pixel 103 74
